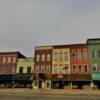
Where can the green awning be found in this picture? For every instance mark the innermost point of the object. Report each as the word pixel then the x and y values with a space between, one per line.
pixel 5 77
pixel 22 77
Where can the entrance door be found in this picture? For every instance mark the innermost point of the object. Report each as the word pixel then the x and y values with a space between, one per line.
pixel 36 84
pixel 48 84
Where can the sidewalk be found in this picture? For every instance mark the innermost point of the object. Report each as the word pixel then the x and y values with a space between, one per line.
pixel 65 91
pixel 47 91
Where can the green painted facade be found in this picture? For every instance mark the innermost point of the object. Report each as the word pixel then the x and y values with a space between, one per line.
pixel 94 58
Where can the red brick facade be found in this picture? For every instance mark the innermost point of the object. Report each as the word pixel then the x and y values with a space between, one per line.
pixel 43 63
pixel 8 62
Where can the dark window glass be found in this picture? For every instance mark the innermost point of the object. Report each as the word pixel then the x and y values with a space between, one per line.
pixel 85 68
pixel 79 68
pixel 28 69
pixel 21 70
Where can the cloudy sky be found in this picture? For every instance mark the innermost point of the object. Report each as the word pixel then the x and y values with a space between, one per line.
pixel 28 23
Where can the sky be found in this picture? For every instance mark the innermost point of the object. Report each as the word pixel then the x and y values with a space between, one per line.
pixel 25 24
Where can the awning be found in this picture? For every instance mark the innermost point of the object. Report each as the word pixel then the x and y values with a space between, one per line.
pixel 5 77
pixel 73 77
pixel 22 77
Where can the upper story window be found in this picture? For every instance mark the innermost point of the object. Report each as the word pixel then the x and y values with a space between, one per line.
pixel 79 68
pixel 61 57
pixel 4 60
pixel 73 55
pixel 55 57
pixel 48 68
pixel 37 70
pixel 21 69
pixel 98 68
pixel 94 54
pixel 98 54
pixel 14 59
pixel 73 68
pixel 48 57
pixel 43 57
pixel 79 55
pixel 42 70
pixel 84 55
pixel 94 67
pixel 66 56
pixel 85 68
pixel 65 68
pixel 37 57
pixel 61 68
pixel 9 59
pixel 28 69
pixel 55 69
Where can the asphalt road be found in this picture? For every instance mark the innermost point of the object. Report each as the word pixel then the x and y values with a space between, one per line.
pixel 28 94
pixel 50 97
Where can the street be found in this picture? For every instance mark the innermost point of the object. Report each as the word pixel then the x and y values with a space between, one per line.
pixel 28 94
pixel 49 97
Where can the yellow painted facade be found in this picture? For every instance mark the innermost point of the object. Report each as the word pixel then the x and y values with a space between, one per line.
pixel 25 63
pixel 61 61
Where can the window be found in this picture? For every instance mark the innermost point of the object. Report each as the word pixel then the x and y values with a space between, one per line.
pixel 48 84
pixel 60 57
pixel 48 57
pixel 73 55
pixel 20 69
pixel 4 60
pixel 61 68
pixel 36 83
pixel 42 69
pixel 94 67
pixel 84 55
pixel 85 68
pixel 79 55
pixel 55 69
pixel 98 68
pixel 73 68
pixel 93 54
pixel 55 57
pixel 37 69
pixel 65 69
pixel 28 69
pixel 66 56
pixel 14 60
pixel 98 53
pixel 9 59
pixel 48 68
pixel 43 57
pixel 79 68
pixel 37 58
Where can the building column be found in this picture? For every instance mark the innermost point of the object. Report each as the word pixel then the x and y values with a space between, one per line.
pixel 71 85
pixel 92 86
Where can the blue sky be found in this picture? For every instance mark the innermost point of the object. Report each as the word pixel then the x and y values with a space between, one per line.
pixel 28 23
